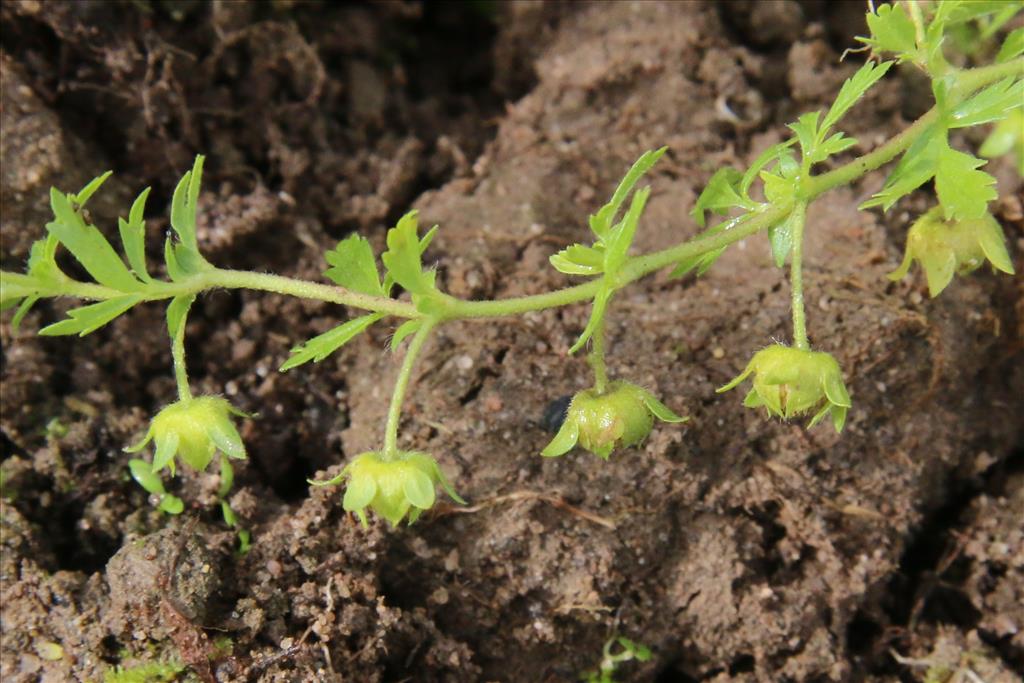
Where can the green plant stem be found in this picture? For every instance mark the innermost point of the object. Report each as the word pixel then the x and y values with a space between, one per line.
pixel 401 384
pixel 596 358
pixel 796 278
pixel 967 82
pixel 178 356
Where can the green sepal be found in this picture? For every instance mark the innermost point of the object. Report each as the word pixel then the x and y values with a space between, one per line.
pixel 166 447
pixel 86 319
pixel 358 494
pixel 419 490
pixel 660 410
pixel 993 244
pixel 564 441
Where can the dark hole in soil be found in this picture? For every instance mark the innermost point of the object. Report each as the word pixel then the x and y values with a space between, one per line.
pixel 73 548
pixel 743 664
pixel 861 634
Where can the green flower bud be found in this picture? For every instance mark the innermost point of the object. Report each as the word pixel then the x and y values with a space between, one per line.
pixel 622 415
pixel 947 247
pixel 789 382
pixel 194 429
pixel 392 488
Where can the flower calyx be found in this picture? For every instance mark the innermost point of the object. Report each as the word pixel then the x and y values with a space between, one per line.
pixel 944 248
pixel 789 382
pixel 392 487
pixel 194 429
pixel 622 415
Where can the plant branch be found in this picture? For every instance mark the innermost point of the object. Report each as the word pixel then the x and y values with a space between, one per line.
pixel 401 384
pixel 178 356
pixel 967 82
pixel 796 278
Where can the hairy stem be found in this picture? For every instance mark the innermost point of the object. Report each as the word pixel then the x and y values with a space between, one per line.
pixel 401 384
pixel 596 357
pixel 967 82
pixel 796 277
pixel 178 356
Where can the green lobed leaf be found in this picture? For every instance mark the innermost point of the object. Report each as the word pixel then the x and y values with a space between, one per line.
pixel 959 11
pixel 621 237
pixel 719 195
pixel 915 168
pixel 16 286
pixel 780 236
pixel 891 30
pixel 578 259
pixel 773 153
pixel 142 472
pixel 174 270
pixel 596 317
pixel 833 145
pixel 86 319
pixel 602 221
pixel 23 309
pixel 82 196
pixel 177 311
pixel 777 189
pixel 991 104
pixel 172 505
pixel 853 89
pixel 1012 47
pixel 402 259
pixel 806 129
pixel 88 245
pixel 323 345
pixel 184 205
pixel 964 191
pixel 133 237
pixel 1008 135
pixel 353 266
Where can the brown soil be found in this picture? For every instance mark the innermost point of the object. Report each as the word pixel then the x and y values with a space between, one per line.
pixel 736 548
